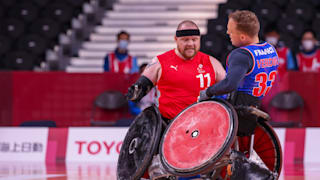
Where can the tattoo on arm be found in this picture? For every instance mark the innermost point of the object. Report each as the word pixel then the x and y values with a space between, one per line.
pixel 151 64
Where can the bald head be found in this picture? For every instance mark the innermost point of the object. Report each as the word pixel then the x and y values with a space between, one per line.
pixel 188 39
pixel 187 24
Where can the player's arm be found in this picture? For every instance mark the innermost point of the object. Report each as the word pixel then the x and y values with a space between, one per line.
pixel 218 69
pixel 240 62
pixel 153 70
pixel 146 81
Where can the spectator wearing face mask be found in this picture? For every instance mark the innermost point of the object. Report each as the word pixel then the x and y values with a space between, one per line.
pixel 120 61
pixel 309 57
pixel 286 59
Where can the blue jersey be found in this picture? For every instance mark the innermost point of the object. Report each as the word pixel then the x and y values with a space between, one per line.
pixel 260 79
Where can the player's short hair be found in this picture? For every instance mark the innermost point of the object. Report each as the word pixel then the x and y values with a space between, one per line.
pixel 310 31
pixel 187 23
pixel 247 22
pixel 123 32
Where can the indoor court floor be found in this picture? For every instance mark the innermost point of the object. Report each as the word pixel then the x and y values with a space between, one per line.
pixel 107 171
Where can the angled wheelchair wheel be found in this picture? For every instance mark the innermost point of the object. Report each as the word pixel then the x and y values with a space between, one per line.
pixel 266 145
pixel 198 138
pixel 139 145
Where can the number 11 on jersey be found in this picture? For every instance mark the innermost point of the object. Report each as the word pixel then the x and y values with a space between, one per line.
pixel 203 78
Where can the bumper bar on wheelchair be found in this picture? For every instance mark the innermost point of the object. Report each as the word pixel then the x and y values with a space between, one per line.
pixel 258 112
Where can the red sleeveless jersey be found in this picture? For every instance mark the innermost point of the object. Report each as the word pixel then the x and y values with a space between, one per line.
pixel 181 81
pixel 118 66
pixel 282 54
pixel 309 63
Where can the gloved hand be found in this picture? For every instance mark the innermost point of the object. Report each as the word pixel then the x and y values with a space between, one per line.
pixel 203 96
pixel 133 93
pixel 139 89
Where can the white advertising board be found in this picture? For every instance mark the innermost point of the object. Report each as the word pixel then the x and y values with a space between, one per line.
pixel 95 144
pixel 23 144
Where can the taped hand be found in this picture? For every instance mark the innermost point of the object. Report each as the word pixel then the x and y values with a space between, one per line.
pixel 133 93
pixel 203 96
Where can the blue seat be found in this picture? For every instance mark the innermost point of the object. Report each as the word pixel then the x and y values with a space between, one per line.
pixel 212 45
pixel 300 10
pixel 32 43
pixel 19 60
pixel 292 26
pixel 24 11
pixel 41 123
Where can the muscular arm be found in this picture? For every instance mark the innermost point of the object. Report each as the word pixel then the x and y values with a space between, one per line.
pixel 153 71
pixel 218 69
pixel 240 62
pixel 144 84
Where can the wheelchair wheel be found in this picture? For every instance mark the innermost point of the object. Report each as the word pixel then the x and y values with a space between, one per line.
pixel 139 145
pixel 266 145
pixel 198 138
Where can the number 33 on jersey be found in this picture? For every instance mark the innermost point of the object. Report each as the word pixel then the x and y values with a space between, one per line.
pixel 260 79
pixel 265 83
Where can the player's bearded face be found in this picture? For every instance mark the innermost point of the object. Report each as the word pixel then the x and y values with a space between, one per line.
pixel 188 46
